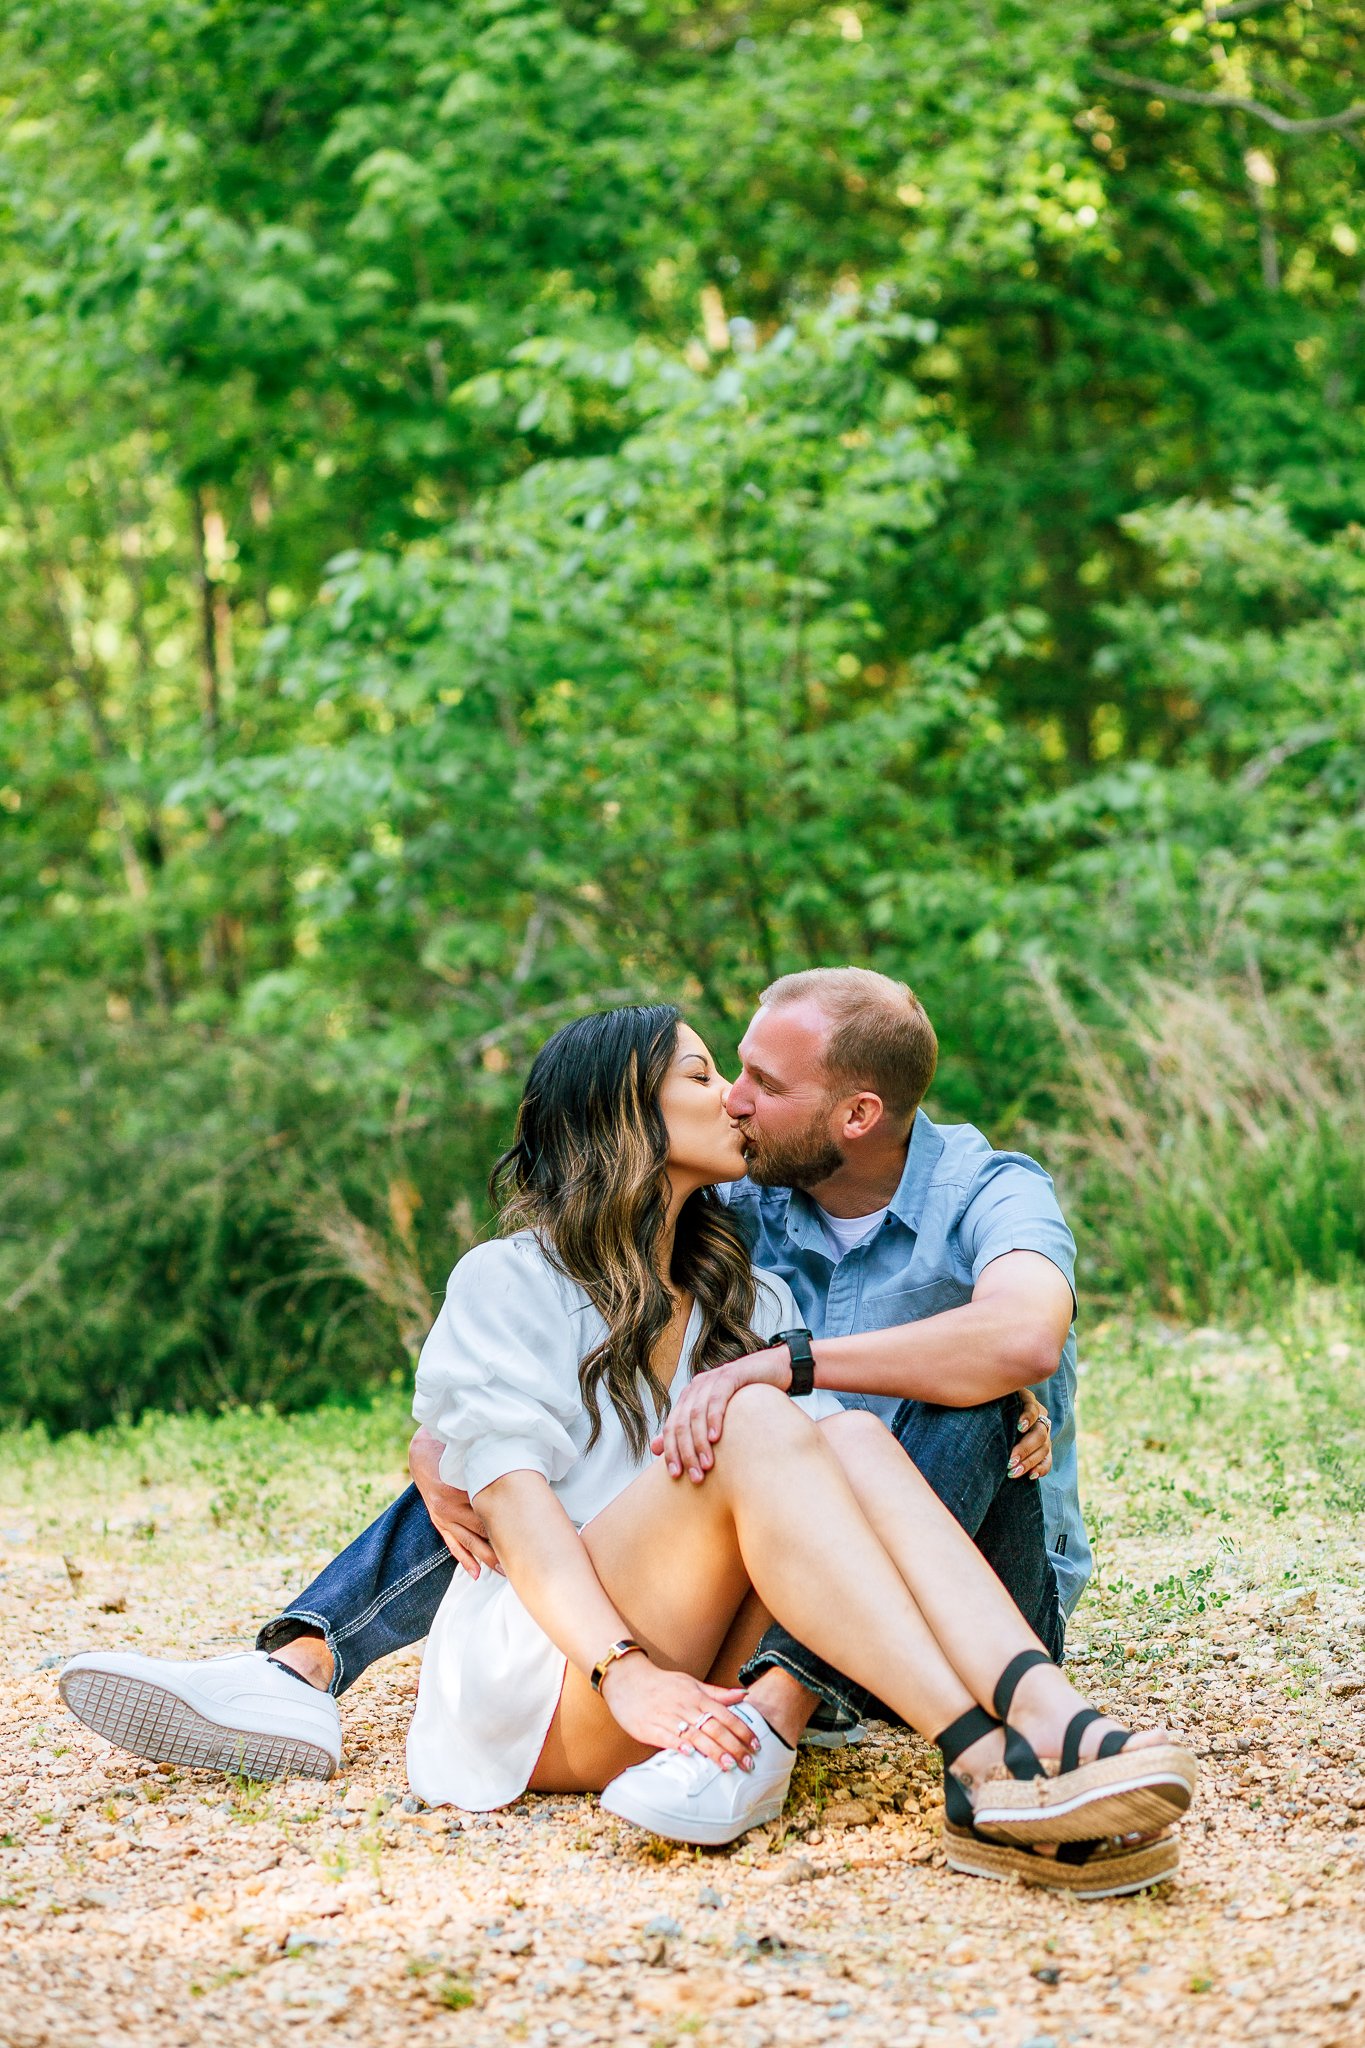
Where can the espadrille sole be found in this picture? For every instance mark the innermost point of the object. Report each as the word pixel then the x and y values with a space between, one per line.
pixel 1137 1792
pixel 153 1721
pixel 1111 1874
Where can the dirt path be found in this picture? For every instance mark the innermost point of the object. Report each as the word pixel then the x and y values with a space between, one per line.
pixel 138 1907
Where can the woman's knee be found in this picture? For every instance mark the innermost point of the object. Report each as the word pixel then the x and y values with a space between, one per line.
pixel 856 1428
pixel 762 1415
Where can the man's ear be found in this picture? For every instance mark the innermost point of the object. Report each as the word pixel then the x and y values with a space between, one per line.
pixel 863 1114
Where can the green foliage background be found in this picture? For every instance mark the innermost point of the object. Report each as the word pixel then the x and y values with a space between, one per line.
pixel 508 506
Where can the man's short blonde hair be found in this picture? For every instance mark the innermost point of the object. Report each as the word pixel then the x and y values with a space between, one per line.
pixel 880 1037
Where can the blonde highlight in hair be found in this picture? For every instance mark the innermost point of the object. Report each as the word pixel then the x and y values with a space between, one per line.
pixel 588 1172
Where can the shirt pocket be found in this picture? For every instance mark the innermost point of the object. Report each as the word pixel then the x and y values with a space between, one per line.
pixel 882 1308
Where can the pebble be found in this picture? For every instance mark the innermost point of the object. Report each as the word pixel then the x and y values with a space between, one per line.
pixel 293 1918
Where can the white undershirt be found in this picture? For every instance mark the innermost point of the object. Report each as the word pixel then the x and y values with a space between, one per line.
pixel 844 1232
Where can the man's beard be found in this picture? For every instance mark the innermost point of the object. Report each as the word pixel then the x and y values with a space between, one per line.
pixel 802 1161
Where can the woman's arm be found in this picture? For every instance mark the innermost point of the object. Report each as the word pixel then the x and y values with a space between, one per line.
pixel 547 1562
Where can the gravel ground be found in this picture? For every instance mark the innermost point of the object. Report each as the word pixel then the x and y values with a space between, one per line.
pixel 138 1906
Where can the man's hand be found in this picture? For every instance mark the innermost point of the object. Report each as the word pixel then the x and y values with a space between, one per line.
pixel 1031 1457
pixel 694 1422
pixel 452 1515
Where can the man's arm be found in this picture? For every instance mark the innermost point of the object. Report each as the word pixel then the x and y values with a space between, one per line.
pixel 453 1516
pixel 1008 1336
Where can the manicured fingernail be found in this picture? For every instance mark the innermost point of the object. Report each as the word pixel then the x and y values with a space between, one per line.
pixel 1014 1468
pixel 748 1763
pixel 727 1763
pixel 695 1473
pixel 675 1470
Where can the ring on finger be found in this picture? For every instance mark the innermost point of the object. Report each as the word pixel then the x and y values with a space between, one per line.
pixel 703 1721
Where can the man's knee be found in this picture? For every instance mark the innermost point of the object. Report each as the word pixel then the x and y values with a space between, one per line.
pixel 962 1452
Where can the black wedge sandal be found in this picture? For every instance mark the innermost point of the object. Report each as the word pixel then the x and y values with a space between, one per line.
pixel 1083 1870
pixel 1137 1793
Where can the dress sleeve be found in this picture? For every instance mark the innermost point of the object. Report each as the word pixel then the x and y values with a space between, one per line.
pixel 497 1380
pixel 774 1304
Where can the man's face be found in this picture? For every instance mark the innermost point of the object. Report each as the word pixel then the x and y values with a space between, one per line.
pixel 783 1100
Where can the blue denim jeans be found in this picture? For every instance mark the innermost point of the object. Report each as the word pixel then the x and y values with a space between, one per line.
pixel 381 1594
pixel 383 1591
pixel 963 1453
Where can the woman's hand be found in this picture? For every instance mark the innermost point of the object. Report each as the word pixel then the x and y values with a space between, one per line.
pixel 452 1514
pixel 694 1422
pixel 1031 1457
pixel 665 1708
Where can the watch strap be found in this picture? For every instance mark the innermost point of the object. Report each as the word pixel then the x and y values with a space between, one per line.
pixel 802 1358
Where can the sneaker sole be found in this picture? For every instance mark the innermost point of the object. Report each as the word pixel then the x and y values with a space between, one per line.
pixel 710 1835
pixel 152 1721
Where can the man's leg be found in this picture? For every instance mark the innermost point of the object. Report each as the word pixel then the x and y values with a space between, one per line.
pixel 267 1712
pixel 378 1596
pixel 964 1454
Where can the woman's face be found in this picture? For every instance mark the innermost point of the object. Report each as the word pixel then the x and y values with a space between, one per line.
pixel 703 1145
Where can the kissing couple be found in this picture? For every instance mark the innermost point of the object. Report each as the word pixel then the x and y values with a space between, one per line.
pixel 731 1433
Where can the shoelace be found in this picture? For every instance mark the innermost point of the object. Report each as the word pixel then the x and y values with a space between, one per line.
pixel 687 1770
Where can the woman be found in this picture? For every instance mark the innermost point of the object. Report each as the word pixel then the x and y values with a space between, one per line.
pixel 601 1656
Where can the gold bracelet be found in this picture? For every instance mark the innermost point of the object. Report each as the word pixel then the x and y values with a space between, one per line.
pixel 604 1663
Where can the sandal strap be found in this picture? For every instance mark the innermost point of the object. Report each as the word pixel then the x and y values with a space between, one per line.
pixel 1010 1677
pixel 963 1732
pixel 1114 1741
pixel 957 1736
pixel 1071 1741
pixel 1021 1758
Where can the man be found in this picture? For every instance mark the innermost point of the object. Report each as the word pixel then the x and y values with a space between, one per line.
pixel 935 1277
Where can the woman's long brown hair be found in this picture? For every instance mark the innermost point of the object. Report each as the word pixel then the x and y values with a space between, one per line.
pixel 588 1172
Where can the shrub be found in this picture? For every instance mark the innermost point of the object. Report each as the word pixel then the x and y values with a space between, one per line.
pixel 1214 1141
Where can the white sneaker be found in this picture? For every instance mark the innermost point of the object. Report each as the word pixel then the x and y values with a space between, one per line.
pixel 691 1799
pixel 239 1713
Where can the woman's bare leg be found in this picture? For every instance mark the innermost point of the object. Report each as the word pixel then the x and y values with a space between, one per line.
pixel 971 1615
pixel 776 1513
pixel 742 1638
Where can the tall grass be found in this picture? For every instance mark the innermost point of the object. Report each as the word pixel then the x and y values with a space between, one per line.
pixel 1213 1143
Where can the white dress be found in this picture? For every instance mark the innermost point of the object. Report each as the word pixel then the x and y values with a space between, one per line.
pixel 498 1383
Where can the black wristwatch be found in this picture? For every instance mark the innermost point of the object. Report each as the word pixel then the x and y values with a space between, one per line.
pixel 802 1358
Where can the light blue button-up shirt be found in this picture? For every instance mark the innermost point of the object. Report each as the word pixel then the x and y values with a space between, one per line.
pixel 959 1205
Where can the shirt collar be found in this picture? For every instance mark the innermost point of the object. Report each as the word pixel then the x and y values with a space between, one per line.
pixel 922 1156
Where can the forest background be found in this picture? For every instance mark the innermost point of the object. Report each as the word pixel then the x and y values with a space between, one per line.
pixel 507 507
